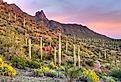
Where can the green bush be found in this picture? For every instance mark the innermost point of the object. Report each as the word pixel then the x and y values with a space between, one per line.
pixel 116 72
pixel 18 62
pixel 22 63
pixel 108 79
pixel 51 73
pixel 38 72
pixel 33 64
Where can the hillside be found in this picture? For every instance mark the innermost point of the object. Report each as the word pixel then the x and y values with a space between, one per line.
pixel 40 19
pixel 40 48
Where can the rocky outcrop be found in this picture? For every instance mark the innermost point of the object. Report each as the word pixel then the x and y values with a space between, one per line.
pixel 40 15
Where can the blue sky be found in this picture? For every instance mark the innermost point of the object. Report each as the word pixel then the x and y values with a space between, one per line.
pixel 102 16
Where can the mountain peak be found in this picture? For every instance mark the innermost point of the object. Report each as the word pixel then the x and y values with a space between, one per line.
pixel 41 15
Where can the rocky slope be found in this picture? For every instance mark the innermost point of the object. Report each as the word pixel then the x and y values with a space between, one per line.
pixel 36 24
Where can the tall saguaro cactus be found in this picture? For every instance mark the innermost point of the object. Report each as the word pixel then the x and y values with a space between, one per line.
pixel 79 56
pixel 105 54
pixel 55 56
pixel 41 51
pixel 24 22
pixel 30 48
pixel 74 54
pixel 26 39
pixel 66 45
pixel 59 49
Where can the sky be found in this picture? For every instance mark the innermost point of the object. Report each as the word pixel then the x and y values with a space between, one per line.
pixel 102 16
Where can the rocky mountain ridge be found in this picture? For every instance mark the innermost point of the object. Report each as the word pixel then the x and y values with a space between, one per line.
pixel 40 21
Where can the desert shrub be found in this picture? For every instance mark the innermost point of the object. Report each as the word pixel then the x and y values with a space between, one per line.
pixel 108 79
pixel 90 75
pixel 45 69
pixel 18 62
pixel 33 64
pixel 6 69
pixel 38 72
pixel 71 73
pixel 62 68
pixel 22 63
pixel 52 65
pixel 116 72
pixel 51 73
pixel 90 62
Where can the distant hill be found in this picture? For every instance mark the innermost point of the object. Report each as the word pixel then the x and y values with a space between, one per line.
pixel 35 24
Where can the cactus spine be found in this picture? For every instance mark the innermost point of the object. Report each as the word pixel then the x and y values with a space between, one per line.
pixel 79 56
pixel 30 48
pixel 55 51
pixel 74 54
pixel 41 51
pixel 59 49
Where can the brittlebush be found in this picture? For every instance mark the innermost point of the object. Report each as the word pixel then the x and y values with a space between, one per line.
pixel 6 70
pixel 91 75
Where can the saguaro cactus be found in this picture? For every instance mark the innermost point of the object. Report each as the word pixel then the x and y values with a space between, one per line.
pixel 74 54
pixel 41 51
pixel 26 39
pixel 105 54
pixel 15 17
pixel 30 48
pixel 55 51
pixel 79 56
pixel 66 45
pixel 9 18
pixel 24 23
pixel 59 49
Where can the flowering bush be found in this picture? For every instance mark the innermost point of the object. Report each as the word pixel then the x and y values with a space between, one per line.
pixel 91 75
pixel 6 70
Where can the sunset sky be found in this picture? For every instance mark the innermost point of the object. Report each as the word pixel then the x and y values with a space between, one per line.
pixel 102 16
